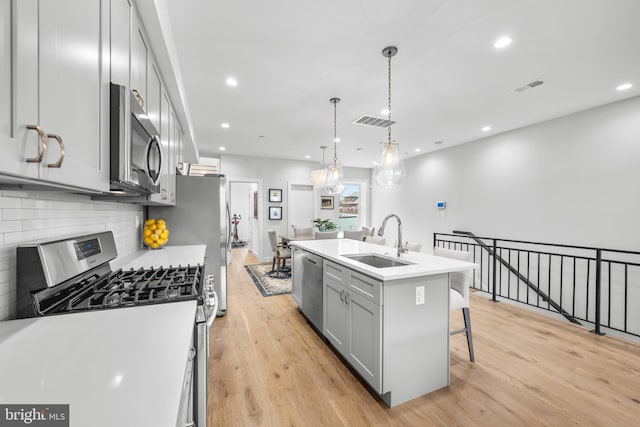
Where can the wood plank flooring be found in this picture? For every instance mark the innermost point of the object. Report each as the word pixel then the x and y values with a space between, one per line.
pixel 269 368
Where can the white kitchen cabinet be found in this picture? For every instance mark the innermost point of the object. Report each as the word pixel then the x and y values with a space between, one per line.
pixel 5 73
pixel 139 61
pixel 60 93
pixel 154 94
pixel 121 11
pixel 353 320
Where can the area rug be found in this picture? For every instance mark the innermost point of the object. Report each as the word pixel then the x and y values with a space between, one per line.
pixel 267 282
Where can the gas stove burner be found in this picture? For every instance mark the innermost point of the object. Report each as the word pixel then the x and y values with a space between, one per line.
pixel 123 288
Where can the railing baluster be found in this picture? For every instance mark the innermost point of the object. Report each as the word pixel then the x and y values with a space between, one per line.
pixel 549 285
pixel 598 290
pixel 561 276
pixel 609 294
pixel 494 270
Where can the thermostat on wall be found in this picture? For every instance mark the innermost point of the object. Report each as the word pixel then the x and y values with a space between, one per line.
pixel 441 205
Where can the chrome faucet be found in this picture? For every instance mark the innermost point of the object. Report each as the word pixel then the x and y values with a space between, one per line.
pixel 401 250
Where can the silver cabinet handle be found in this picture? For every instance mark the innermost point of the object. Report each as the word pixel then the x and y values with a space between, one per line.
pixel 342 296
pixel 347 298
pixel 61 158
pixel 42 146
pixel 192 354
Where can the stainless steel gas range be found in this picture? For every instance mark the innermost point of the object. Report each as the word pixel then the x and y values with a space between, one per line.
pixel 74 275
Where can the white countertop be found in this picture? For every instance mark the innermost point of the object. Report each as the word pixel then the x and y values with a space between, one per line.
pixel 168 255
pixel 423 264
pixel 117 367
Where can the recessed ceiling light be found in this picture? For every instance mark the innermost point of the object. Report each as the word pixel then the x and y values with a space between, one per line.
pixel 502 42
pixel 624 86
pixel 225 125
pixel 232 82
pixel 222 148
pixel 385 111
pixel 375 163
pixel 417 150
pixel 307 156
pixel 337 139
pixel 486 129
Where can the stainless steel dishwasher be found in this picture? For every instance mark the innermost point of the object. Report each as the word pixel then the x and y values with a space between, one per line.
pixel 312 288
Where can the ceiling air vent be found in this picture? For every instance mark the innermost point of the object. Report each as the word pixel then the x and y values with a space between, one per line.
pixel 372 121
pixel 528 86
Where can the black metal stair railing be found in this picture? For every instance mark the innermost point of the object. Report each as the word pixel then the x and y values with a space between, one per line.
pixel 594 285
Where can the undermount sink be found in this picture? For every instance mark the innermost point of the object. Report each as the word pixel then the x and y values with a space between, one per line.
pixel 378 261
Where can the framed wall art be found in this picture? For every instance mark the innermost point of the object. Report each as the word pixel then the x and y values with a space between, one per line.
pixel 275 195
pixel 275 212
pixel 326 202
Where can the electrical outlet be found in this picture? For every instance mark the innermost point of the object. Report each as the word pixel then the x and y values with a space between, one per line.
pixel 419 295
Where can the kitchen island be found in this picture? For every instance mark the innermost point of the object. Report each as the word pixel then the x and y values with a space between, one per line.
pixel 387 316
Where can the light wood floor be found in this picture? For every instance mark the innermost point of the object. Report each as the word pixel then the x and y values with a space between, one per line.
pixel 268 367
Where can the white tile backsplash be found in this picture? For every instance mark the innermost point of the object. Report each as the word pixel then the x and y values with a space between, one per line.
pixel 31 215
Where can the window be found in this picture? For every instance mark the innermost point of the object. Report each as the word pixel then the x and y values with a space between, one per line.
pixel 349 208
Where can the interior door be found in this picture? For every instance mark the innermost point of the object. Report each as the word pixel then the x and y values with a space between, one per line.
pixel 300 206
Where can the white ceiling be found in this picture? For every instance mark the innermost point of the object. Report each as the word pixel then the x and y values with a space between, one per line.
pixel 448 81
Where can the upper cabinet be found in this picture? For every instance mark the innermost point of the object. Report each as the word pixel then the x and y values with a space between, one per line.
pixel 139 61
pixel 121 15
pixel 6 139
pixel 60 93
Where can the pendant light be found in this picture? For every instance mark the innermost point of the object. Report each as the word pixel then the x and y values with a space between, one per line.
pixel 318 177
pixel 335 183
pixel 390 169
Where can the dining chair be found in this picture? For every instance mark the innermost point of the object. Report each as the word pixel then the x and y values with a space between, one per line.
pixel 354 235
pixel 280 253
pixel 326 235
pixel 368 231
pixel 459 283
pixel 376 240
pixel 299 231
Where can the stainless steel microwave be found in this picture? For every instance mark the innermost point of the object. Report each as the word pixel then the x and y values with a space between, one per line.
pixel 136 153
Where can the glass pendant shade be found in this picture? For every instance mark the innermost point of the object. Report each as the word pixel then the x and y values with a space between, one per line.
pixel 335 182
pixel 390 169
pixel 318 177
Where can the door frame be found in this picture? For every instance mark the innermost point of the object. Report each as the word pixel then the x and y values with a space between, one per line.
pixel 260 243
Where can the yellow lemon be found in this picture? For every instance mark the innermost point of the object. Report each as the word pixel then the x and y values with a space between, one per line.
pixel 153 227
pixel 155 245
pixel 147 232
pixel 148 241
pixel 150 221
pixel 164 234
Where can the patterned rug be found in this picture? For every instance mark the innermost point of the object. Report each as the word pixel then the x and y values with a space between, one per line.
pixel 267 282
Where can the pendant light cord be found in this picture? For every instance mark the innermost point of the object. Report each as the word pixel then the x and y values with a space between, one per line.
pixel 335 142
pixel 389 99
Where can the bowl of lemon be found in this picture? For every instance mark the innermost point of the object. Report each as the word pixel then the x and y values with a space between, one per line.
pixel 156 233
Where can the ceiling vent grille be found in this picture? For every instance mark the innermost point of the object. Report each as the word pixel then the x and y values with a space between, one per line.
pixel 528 86
pixel 372 121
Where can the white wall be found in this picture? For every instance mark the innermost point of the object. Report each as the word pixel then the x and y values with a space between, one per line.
pixel 275 173
pixel 31 215
pixel 573 180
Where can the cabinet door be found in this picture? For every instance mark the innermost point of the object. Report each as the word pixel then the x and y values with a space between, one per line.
pixel 296 276
pixel 19 74
pixel 139 58
pixel 120 41
pixel 5 72
pixel 334 313
pixel 154 94
pixel 364 344
pixel 73 102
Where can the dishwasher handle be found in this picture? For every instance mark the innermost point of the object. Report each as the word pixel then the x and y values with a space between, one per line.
pixel 310 260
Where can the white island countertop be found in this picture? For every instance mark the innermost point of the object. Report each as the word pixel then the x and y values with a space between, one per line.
pixel 168 255
pixel 422 264
pixel 116 367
